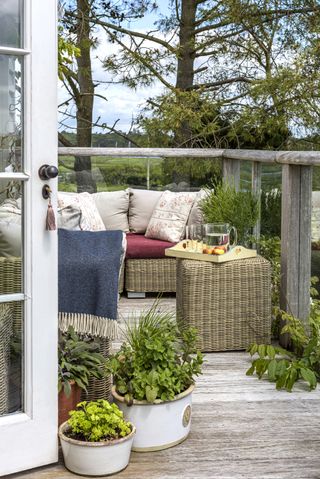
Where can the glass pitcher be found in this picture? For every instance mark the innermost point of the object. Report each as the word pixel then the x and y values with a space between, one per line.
pixel 218 234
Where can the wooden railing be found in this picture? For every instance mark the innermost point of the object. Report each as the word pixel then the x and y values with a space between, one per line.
pixel 296 204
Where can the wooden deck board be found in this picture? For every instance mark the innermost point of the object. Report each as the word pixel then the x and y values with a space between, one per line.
pixel 242 428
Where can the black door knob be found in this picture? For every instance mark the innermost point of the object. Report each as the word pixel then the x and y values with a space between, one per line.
pixel 47 172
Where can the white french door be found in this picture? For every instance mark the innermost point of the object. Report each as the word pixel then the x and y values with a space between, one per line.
pixel 28 253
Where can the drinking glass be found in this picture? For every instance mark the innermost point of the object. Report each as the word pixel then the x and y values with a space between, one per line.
pixel 196 237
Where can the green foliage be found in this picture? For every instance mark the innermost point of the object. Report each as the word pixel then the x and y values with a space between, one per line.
pixel 271 213
pixel 286 368
pixel 197 173
pixel 270 248
pixel 226 205
pixel 79 359
pixel 157 360
pixel 171 112
pixel 67 51
pixel 97 421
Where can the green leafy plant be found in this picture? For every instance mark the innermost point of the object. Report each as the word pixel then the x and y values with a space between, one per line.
pixel 271 213
pixel 79 359
pixel 97 421
pixel 284 367
pixel 270 248
pixel 157 360
pixel 224 204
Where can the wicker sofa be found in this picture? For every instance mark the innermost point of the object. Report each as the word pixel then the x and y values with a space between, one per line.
pixel 146 269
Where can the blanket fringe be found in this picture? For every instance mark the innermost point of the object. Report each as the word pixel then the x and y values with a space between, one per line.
pixel 89 324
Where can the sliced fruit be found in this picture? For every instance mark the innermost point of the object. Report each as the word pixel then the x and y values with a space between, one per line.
pixel 219 251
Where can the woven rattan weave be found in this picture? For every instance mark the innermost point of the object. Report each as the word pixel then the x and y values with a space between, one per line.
pixel 10 282
pixel 229 303
pixel 150 275
pixel 6 323
pixel 100 388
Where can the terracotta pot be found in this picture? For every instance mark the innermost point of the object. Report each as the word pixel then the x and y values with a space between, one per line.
pixel 66 404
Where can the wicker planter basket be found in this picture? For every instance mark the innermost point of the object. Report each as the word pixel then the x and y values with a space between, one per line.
pixel 229 303
pixel 100 388
pixel 150 275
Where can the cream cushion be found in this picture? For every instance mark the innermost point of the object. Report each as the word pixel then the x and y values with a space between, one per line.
pixel 141 206
pixel 169 218
pixel 196 216
pixel 10 210
pixel 10 228
pixel 113 208
pixel 69 218
pixel 90 217
pixel 10 239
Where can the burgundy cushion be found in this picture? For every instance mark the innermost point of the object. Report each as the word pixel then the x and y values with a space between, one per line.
pixel 140 247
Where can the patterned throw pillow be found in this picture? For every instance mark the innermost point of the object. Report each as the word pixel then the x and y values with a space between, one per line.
pixel 90 217
pixel 169 218
pixel 196 216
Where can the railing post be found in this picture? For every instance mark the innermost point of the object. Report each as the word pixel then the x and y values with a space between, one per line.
pixel 231 172
pixel 256 190
pixel 295 241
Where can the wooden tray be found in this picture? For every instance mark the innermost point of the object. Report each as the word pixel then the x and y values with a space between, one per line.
pixel 238 252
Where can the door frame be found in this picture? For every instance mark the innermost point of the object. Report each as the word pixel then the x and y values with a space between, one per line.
pixel 29 439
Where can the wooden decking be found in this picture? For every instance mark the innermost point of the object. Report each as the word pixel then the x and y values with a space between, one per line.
pixel 242 428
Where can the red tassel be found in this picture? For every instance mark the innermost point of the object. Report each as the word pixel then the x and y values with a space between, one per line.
pixel 50 220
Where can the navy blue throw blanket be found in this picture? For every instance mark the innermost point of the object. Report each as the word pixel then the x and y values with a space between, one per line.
pixel 89 264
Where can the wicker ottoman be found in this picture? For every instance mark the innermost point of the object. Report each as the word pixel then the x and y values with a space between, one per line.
pixel 229 303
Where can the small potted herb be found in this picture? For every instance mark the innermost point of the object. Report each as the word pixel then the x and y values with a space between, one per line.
pixel 79 360
pixel 96 440
pixel 153 376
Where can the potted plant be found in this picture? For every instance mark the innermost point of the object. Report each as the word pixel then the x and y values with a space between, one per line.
pixel 96 440
pixel 224 204
pixel 153 376
pixel 78 360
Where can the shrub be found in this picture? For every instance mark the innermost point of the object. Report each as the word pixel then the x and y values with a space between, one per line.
pixel 97 421
pixel 225 204
pixel 284 367
pixel 157 360
pixel 79 359
pixel 271 213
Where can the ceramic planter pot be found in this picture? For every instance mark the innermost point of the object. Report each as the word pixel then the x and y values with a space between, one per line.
pixel 95 458
pixel 160 425
pixel 68 403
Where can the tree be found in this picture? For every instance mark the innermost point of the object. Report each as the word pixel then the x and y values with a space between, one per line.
pixel 232 54
pixel 77 40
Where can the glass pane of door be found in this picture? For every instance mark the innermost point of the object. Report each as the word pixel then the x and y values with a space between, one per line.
pixel 10 112
pixel 10 23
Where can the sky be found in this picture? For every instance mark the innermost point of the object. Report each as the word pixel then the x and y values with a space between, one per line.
pixel 122 103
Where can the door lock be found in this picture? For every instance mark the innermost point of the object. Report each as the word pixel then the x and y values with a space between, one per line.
pixel 48 172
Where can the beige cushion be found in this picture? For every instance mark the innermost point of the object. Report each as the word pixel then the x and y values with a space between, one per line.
pixel 141 206
pixel 113 207
pixel 10 228
pixel 10 239
pixel 10 210
pixel 196 216
pixel 90 217
pixel 169 218
pixel 69 218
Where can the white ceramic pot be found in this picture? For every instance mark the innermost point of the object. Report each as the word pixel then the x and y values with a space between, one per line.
pixel 95 458
pixel 159 425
